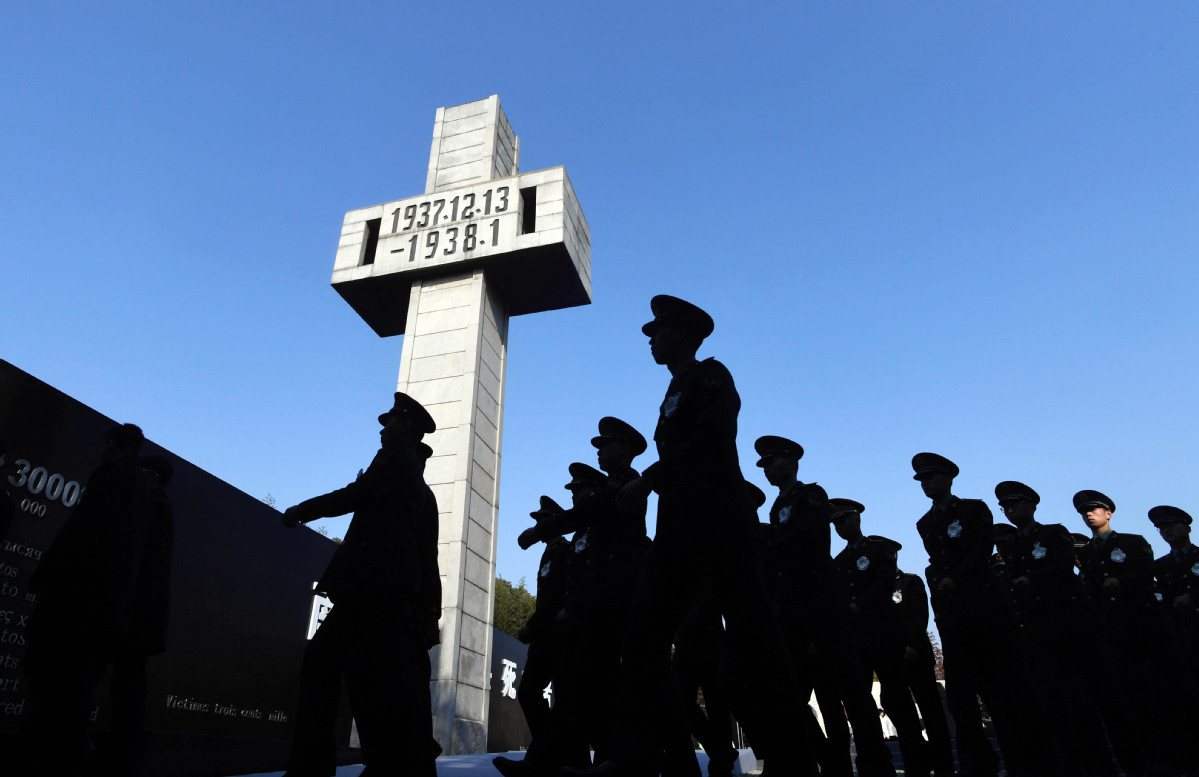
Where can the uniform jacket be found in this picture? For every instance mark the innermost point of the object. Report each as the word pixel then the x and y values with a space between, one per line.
pixel 959 540
pixel 610 544
pixel 910 599
pixel 1129 559
pixel 151 595
pixel 1178 575
pixel 1056 598
pixel 554 577
pixel 389 553
pixel 703 503
pixel 869 571
pixel 798 568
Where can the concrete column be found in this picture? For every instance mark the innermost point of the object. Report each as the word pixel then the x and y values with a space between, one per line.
pixel 453 362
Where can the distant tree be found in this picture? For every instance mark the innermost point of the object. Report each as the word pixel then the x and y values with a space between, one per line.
pixel 937 655
pixel 270 500
pixel 514 605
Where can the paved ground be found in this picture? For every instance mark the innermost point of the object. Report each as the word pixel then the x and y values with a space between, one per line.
pixel 480 765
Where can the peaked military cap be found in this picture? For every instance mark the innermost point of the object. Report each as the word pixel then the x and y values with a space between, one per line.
pixel 1010 490
pixel 548 507
pixel 614 429
pixel 770 445
pixel 421 420
pixel 1165 514
pixel 756 495
pixel 582 475
pixel 1086 499
pixel 844 507
pixel 890 545
pixel 928 463
pixel 672 311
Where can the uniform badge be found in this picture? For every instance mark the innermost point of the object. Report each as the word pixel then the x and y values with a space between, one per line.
pixel 1118 556
pixel 545 570
pixel 581 543
pixel 863 563
pixel 1037 550
pixel 785 514
pixel 671 404
pixel 955 530
pixel 1195 569
pixel 897 597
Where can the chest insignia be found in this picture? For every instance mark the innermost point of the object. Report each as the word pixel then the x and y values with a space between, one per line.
pixel 545 570
pixel 863 563
pixel 785 514
pixel 1038 551
pixel 580 543
pixel 897 597
pixel 955 529
pixel 670 405
pixel 1118 556
pixel 1195 569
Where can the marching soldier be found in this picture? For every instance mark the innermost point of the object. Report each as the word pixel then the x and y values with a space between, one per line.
pixel 813 611
pixel 910 600
pixel 982 658
pixel 704 534
pixel 1141 703
pixel 1058 628
pixel 548 644
pixel 386 590
pixel 868 566
pixel 1177 575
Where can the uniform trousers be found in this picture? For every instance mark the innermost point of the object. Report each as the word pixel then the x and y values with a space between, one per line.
pixel 397 726
pixel 920 674
pixel 543 666
pixel 983 660
pixel 666 594
pixel 880 639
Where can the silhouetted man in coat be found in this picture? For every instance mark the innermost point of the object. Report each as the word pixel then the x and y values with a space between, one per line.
pixel 386 592
pixel 86 615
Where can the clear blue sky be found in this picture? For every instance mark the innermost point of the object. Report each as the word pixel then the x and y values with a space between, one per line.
pixel 962 227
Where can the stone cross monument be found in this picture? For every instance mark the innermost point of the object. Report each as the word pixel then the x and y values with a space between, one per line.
pixel 446 269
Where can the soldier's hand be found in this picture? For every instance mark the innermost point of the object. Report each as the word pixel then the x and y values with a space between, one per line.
pixel 910 654
pixel 1112 585
pixel 1184 603
pixel 1022 584
pixel 293 516
pixel 632 494
pixel 528 538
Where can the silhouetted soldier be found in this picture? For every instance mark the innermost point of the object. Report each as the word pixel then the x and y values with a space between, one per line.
pixel 86 613
pixel 868 565
pixel 547 643
pixel 1142 707
pixel 703 533
pixel 910 601
pixel 1177 575
pixel 982 657
pixel 386 591
pixel 1058 627
pixel 813 610
pixel 580 717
